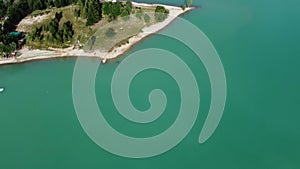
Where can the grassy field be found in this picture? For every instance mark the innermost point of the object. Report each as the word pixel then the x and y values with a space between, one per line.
pixel 117 32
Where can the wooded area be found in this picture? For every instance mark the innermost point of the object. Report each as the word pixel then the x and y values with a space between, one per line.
pixel 58 31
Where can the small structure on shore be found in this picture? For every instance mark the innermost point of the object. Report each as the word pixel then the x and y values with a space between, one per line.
pixel 9 55
pixel 16 34
pixel 13 54
pixel 104 61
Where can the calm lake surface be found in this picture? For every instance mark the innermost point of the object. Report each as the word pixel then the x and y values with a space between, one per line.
pixel 258 43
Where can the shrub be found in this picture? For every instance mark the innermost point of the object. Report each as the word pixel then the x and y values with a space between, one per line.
pixel 110 32
pixel 147 18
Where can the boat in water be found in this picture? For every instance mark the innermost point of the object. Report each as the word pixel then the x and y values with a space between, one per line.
pixel 1 89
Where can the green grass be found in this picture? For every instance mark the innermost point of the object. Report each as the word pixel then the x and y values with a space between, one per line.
pixel 124 29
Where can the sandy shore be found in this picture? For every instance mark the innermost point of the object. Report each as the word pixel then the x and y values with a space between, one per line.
pixel 29 55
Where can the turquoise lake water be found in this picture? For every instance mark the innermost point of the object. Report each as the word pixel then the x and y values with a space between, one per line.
pixel 258 43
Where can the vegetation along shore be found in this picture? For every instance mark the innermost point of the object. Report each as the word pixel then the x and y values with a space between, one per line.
pixel 37 29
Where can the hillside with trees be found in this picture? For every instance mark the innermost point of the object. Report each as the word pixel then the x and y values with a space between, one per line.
pixel 13 11
pixel 66 23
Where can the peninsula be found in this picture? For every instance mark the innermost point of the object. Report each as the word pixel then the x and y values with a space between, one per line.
pixel 70 31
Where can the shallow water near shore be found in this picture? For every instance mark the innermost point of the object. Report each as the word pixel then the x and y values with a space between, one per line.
pixel 258 45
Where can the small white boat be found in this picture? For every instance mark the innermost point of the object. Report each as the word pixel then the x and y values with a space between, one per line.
pixel 104 61
pixel 1 89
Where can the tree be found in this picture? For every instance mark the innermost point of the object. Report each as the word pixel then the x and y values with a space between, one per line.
pixel 147 18
pixel 54 23
pixel 81 4
pixel 110 32
pixel 53 27
pixel 2 47
pixel 62 3
pixel 17 11
pixel 57 3
pixel 68 31
pixel 2 9
pixel 60 36
pixel 116 9
pixel 106 8
pixel 84 10
pixel 161 13
pixel 36 4
pixel 93 12
pixel 128 6
pixel 112 9
pixel 8 48
pixel 77 13
pixel 12 46
pixel 126 10
pixel 58 16
pixel 139 14
pixel 189 3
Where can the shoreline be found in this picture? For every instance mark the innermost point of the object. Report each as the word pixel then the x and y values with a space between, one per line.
pixel 36 54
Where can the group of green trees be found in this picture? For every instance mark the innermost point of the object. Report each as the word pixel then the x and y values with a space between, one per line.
pixel 43 4
pixel 89 9
pixel 2 9
pixel 13 11
pixel 16 10
pixel 189 2
pixel 115 9
pixel 53 32
pixel 161 13
pixel 8 44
